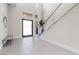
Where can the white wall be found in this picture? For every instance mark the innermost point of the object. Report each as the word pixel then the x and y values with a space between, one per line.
pixel 49 8
pixel 15 17
pixel 66 31
pixel 3 30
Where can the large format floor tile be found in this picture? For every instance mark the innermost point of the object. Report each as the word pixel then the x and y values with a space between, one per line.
pixel 32 46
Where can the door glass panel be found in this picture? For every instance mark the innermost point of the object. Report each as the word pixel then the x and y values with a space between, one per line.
pixel 27 27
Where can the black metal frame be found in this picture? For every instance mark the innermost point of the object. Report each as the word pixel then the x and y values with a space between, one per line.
pixel 22 28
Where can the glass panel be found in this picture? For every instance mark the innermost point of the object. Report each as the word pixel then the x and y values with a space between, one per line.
pixel 27 27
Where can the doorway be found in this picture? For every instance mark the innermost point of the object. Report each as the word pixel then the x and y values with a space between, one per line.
pixel 27 27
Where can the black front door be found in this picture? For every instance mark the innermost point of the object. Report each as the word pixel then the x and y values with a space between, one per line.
pixel 27 27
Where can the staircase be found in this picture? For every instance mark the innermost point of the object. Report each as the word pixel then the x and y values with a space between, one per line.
pixel 62 25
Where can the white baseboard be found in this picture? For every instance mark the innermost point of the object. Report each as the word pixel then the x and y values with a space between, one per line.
pixel 75 50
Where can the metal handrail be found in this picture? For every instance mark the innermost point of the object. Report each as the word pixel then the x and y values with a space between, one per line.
pixel 61 17
pixel 52 13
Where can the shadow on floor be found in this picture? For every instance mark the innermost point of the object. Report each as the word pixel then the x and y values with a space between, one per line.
pixel 9 42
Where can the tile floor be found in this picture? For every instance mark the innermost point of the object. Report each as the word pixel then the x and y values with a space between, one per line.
pixel 31 46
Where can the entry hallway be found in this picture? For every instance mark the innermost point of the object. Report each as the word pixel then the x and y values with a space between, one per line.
pixel 31 46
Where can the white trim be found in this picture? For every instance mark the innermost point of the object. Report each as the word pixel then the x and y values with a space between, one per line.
pixel 75 50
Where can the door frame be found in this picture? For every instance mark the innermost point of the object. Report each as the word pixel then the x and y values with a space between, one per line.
pixel 22 28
